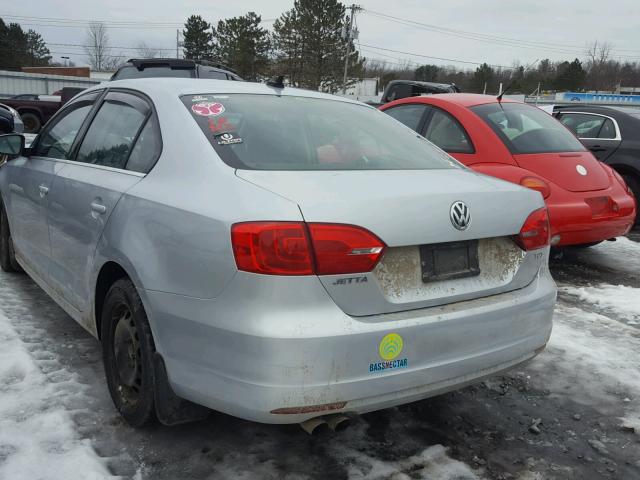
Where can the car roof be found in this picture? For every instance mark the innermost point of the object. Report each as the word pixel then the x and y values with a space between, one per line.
pixel 461 99
pixel 628 109
pixel 158 88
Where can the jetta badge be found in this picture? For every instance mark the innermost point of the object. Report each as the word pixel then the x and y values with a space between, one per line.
pixel 460 215
pixel 581 170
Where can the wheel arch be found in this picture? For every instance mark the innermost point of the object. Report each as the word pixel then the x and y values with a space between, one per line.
pixel 109 273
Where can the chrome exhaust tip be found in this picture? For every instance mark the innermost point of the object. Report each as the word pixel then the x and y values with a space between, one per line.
pixel 314 425
pixel 338 422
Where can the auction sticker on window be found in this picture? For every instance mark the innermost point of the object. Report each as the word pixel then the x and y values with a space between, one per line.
pixel 389 349
pixel 208 109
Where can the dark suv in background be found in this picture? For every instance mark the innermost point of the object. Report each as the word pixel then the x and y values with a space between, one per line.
pixel 173 67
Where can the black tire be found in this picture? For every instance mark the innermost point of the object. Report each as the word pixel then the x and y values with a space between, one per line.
pixel 32 122
pixel 127 353
pixel 8 261
pixel 634 185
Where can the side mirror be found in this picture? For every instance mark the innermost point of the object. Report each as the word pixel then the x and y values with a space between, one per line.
pixel 11 144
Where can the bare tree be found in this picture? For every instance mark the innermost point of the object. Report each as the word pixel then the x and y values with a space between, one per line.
pixel 145 51
pixel 599 65
pixel 99 52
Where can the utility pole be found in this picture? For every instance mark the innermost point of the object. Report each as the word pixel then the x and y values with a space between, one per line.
pixel 348 36
pixel 177 42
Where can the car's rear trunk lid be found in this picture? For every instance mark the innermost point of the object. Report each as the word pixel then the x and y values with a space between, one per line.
pixel 573 171
pixel 408 210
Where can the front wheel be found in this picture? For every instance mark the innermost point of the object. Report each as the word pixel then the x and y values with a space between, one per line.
pixel 127 353
pixel 8 261
pixel 31 121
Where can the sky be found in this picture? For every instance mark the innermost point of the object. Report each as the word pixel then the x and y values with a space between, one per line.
pixel 515 32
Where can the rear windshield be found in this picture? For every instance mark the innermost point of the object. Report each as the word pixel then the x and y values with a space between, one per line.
pixel 271 132
pixel 154 72
pixel 527 129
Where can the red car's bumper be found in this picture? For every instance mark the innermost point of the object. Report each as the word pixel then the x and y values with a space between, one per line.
pixel 590 217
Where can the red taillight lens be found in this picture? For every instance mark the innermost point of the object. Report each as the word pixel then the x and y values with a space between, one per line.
pixel 272 248
pixel 344 248
pixel 534 233
pixel 296 248
pixel 535 183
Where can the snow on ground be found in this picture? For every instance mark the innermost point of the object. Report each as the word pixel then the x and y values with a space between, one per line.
pixel 623 302
pixel 593 360
pixel 37 434
pixel 623 255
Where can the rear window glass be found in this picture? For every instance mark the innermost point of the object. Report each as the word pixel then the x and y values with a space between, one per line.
pixel 154 72
pixel 271 132
pixel 526 129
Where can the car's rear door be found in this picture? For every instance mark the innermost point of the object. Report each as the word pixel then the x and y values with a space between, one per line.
pixel 112 157
pixel 30 180
pixel 599 133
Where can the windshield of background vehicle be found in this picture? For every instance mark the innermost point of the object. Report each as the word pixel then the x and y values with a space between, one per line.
pixel 526 129
pixel 271 132
pixel 152 72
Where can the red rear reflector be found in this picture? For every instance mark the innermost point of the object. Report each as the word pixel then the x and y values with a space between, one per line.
pixel 535 183
pixel 296 248
pixel 534 233
pixel 601 206
pixel 272 248
pixel 344 248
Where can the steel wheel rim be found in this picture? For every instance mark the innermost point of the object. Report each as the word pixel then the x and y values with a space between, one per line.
pixel 127 355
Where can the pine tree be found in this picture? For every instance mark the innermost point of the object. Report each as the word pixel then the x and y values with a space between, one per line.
pixel 240 43
pixel 197 39
pixel 310 47
pixel 37 52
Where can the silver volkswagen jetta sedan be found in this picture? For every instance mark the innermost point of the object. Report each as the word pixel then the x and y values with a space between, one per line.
pixel 272 253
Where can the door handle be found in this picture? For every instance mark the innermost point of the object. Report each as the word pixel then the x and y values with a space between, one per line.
pixel 43 190
pixel 98 208
pixel 597 148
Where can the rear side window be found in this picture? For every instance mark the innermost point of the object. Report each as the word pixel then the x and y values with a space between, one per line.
pixel 410 115
pixel 447 133
pixel 147 149
pixel 272 132
pixel 57 138
pixel 526 129
pixel 114 129
pixel 589 126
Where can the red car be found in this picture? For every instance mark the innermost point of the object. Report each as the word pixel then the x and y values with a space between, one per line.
pixel 588 201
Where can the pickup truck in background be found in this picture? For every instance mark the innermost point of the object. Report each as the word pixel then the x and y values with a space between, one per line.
pixel 36 110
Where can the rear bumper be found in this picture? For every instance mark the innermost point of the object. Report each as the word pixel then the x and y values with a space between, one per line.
pixel 574 222
pixel 259 349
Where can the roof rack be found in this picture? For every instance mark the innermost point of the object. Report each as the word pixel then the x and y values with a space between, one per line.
pixel 173 63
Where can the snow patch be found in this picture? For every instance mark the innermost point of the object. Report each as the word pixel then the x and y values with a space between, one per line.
pixel 37 435
pixel 618 299
pixel 622 255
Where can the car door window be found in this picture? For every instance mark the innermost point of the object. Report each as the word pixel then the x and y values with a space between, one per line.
pixel 410 115
pixel 147 149
pixel 582 124
pixel 113 131
pixel 57 138
pixel 608 130
pixel 448 134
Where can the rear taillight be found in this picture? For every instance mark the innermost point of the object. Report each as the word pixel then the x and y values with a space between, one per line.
pixel 298 248
pixel 534 233
pixel 535 183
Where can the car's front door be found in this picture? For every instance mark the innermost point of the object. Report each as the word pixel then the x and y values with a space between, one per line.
pixel 599 133
pixel 30 180
pixel 84 194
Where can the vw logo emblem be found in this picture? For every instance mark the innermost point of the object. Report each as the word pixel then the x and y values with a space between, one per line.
pixel 581 170
pixel 460 215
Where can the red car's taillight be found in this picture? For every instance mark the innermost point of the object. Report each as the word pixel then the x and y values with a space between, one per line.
pixel 534 233
pixel 535 183
pixel 298 248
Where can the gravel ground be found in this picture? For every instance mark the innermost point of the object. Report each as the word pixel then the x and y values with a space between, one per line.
pixel 571 413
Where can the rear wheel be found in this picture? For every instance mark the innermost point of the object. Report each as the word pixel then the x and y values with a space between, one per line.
pixel 31 121
pixel 8 261
pixel 127 353
pixel 634 185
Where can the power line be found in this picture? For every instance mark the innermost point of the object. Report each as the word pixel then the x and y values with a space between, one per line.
pixel 506 41
pixel 454 60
